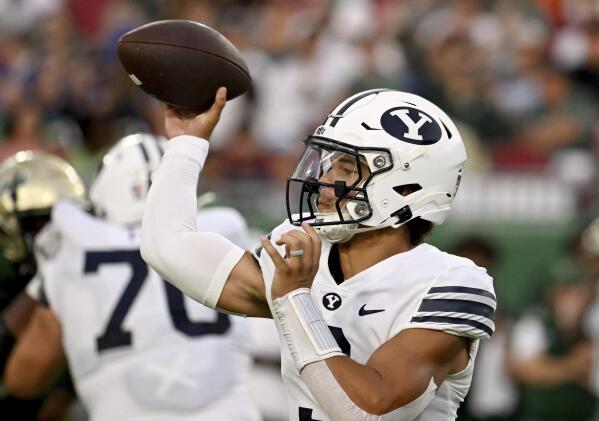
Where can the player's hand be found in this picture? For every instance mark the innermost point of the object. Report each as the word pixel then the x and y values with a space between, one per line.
pixel 177 123
pixel 294 271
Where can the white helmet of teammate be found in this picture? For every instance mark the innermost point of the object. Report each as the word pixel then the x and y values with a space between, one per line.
pixel 118 193
pixel 380 159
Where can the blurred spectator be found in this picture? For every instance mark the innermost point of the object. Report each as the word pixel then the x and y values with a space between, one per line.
pixel 577 50
pixel 489 372
pixel 457 82
pixel 88 15
pixel 20 17
pixel 561 119
pixel 24 131
pixel 589 197
pixel 588 250
pixel 550 355
pixel 586 246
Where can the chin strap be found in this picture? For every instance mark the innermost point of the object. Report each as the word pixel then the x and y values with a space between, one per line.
pixel 342 233
pixel 336 233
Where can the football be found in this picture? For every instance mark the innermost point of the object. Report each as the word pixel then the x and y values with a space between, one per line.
pixel 183 63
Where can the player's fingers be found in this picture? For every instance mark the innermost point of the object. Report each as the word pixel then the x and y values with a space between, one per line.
pixel 316 241
pixel 220 99
pixel 293 243
pixel 273 253
pixel 304 244
pixel 211 117
pixel 281 242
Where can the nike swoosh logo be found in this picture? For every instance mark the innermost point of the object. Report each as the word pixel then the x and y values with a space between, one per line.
pixel 364 312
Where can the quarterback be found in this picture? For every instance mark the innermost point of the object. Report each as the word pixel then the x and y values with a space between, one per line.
pixel 137 348
pixel 374 323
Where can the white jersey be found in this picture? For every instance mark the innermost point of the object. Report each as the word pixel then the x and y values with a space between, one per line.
pixel 420 288
pixel 136 347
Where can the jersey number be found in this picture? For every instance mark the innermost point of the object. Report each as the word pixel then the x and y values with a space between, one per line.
pixel 114 335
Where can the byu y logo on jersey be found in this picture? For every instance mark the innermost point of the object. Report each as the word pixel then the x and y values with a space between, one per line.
pixel 331 301
pixel 411 125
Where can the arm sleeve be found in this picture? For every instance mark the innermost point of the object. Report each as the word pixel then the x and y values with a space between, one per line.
pixel 198 263
pixel 460 302
pixel 338 406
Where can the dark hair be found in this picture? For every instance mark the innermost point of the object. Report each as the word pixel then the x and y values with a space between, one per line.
pixel 419 229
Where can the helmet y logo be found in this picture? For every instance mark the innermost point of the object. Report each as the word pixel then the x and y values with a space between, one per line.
pixel 411 125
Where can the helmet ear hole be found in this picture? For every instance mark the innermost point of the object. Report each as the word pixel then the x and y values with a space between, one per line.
pixel 407 189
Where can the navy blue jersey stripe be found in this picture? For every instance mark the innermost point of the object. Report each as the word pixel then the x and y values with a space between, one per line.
pixel 467 290
pixel 458 306
pixel 144 152
pixel 43 297
pixel 352 102
pixel 453 321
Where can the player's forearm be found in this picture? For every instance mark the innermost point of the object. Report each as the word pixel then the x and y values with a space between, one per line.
pixel 24 378
pixel 38 356
pixel 364 398
pixel 367 387
pixel 17 314
pixel 198 263
pixel 344 388
pixel 363 385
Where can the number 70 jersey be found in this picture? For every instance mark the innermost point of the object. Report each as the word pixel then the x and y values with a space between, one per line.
pixel 136 346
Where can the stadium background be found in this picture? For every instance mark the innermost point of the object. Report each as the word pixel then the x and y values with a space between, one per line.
pixel 520 77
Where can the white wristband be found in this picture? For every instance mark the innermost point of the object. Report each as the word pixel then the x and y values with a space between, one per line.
pixel 301 324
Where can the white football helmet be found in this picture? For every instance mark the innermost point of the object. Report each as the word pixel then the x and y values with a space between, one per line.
pixel 118 193
pixel 380 159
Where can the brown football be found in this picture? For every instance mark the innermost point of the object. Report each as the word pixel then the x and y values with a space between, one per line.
pixel 183 63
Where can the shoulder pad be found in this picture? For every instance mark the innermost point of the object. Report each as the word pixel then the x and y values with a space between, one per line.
pixel 77 226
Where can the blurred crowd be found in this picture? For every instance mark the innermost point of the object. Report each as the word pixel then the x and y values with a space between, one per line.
pixel 542 365
pixel 520 77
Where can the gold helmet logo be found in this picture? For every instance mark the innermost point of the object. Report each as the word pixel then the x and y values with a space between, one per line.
pixel 31 183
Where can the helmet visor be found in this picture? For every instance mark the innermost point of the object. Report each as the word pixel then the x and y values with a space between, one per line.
pixel 328 180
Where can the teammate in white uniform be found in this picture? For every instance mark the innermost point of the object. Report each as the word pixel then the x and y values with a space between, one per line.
pixel 137 348
pixel 374 323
